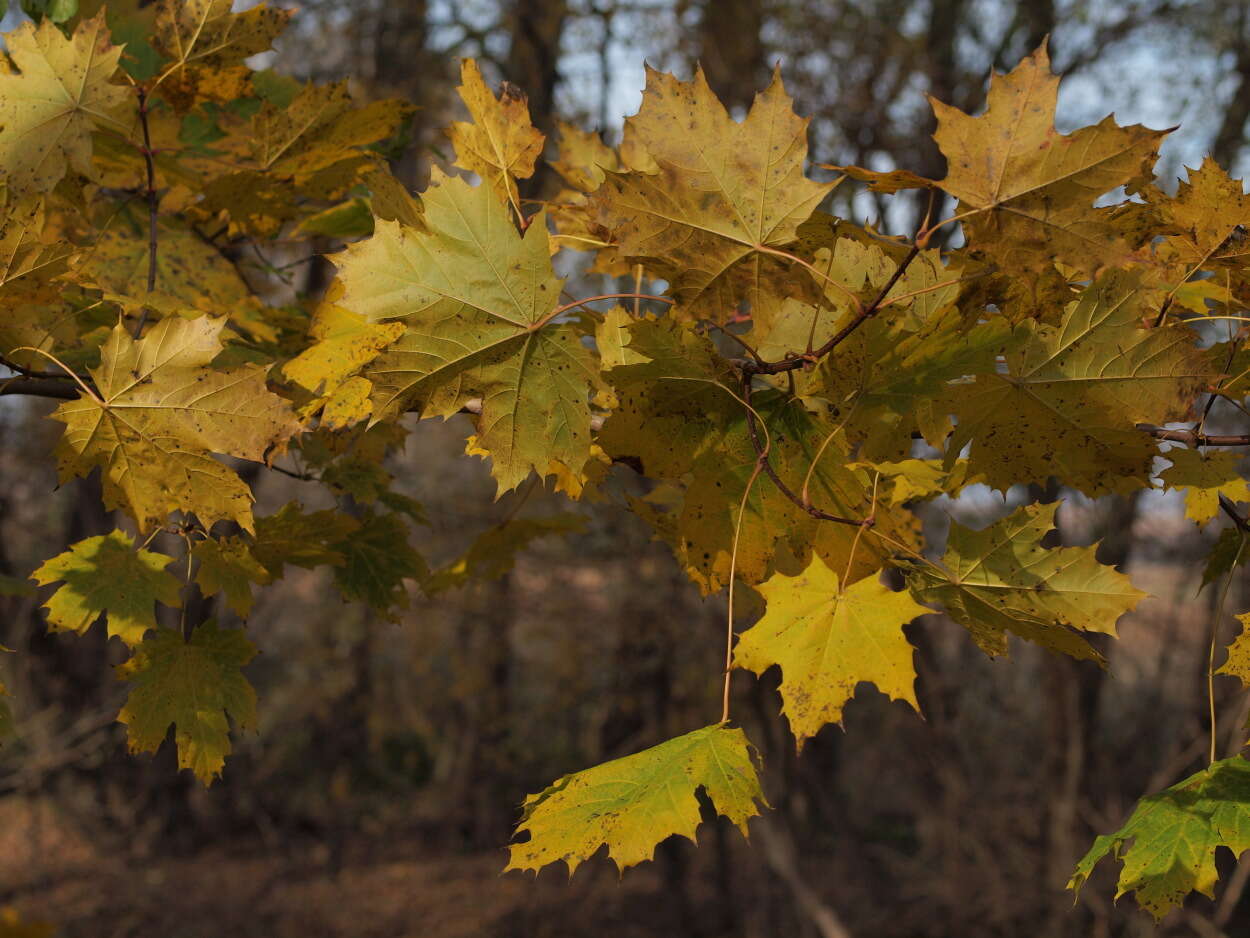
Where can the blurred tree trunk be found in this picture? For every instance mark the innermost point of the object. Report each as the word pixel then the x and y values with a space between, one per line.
pixel 1232 133
pixel 536 28
pixel 730 48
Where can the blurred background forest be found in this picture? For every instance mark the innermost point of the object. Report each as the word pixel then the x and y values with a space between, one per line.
pixel 378 794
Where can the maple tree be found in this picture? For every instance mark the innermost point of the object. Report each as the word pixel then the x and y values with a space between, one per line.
pixel 778 395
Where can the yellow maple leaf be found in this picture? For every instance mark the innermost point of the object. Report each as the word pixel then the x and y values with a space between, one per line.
pixel 500 144
pixel 160 412
pixel 827 637
pixel 61 92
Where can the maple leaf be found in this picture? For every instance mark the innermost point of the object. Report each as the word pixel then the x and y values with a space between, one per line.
pixel 1070 397
pixel 1204 217
pixel 228 566
pixel 343 343
pixel 105 575
pixel 499 144
pixel 377 558
pixel 493 553
pixel 633 803
pixel 827 637
pixel 190 272
pixel 721 194
pixel 584 160
pixel 1205 476
pixel 206 43
pixel 305 539
pixel 59 95
pixel 1029 190
pixel 479 302
pixel 1168 844
pixel 191 685
pixel 160 412
pixel 1001 579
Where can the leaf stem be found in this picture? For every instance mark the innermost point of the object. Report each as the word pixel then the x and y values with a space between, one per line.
pixel 733 575
pixel 1215 629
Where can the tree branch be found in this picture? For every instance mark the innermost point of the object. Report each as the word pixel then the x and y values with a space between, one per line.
pixel 798 361
pixel 1192 438
pixel 55 388
pixel 749 370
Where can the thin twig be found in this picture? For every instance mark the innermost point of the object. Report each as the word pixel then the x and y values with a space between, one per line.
pixel 761 453
pixel 795 362
pixel 1192 438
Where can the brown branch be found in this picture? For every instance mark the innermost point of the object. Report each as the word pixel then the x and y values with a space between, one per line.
pixel 1192 438
pixel 1226 504
pixel 798 361
pixel 153 204
pixel 749 370
pixel 55 388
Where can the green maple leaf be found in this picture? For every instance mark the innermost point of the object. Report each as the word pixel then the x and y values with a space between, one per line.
pixel 305 539
pixel 1067 404
pixel 59 94
pixel 494 551
pixel 632 804
pixel 228 566
pixel 377 558
pixel 1168 843
pixel 191 685
pixel 827 638
pixel 106 575
pixel 159 413
pixel 479 300
pixel 1001 579
pixel 720 192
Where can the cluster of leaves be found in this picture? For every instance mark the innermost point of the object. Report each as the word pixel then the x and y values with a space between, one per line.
pixel 780 396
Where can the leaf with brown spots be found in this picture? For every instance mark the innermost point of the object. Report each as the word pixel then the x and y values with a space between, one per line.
pixel 160 412
pixel 722 192
pixel 828 637
pixel 61 92
pixel 1068 401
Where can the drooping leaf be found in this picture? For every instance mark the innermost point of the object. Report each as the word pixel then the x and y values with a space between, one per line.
pixel 632 804
pixel 827 637
pixel 305 539
pixel 377 559
pixel 228 566
pixel 1002 580
pixel 190 685
pixel 106 575
pixel 499 143
pixel 160 412
pixel 1168 844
